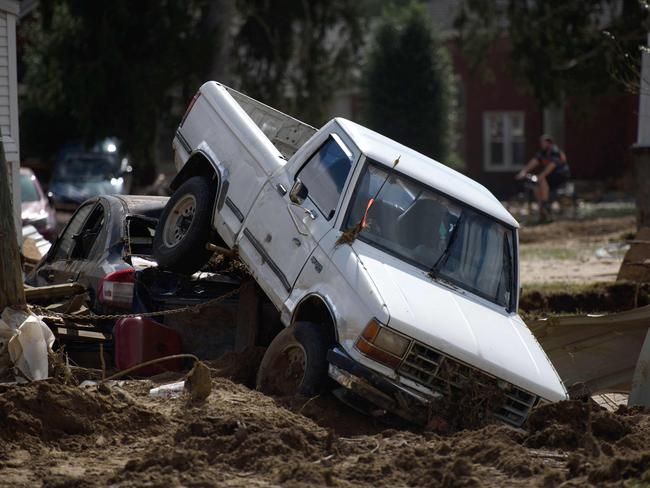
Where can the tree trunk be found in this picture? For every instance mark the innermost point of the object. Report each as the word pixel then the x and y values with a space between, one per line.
pixel 220 18
pixel 12 292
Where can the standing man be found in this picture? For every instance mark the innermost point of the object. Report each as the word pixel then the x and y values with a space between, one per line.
pixel 554 171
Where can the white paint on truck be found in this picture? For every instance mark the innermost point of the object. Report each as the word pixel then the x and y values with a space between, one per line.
pixel 291 248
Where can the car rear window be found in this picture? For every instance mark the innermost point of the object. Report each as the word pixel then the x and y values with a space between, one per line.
pixel 28 191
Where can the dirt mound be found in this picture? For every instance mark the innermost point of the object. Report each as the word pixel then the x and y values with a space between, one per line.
pixel 574 229
pixel 49 410
pixel 240 367
pixel 604 297
pixel 574 424
pixel 239 437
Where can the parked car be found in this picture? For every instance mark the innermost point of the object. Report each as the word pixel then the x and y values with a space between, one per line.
pixel 394 275
pixel 98 246
pixel 78 176
pixel 35 207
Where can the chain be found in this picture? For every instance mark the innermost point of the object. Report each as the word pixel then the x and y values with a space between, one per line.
pixel 46 313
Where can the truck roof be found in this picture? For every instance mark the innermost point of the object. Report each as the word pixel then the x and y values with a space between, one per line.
pixel 422 168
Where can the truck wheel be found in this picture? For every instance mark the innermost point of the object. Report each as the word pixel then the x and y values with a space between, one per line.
pixel 185 227
pixel 295 362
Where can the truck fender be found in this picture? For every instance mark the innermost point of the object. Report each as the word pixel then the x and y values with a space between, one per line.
pixel 203 162
pixel 317 309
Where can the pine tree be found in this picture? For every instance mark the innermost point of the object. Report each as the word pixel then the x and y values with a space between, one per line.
pixel 409 83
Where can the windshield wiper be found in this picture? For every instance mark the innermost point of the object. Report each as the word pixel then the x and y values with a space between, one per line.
pixel 434 272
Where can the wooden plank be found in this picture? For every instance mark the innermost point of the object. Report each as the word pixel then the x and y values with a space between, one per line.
pixel 635 263
pixel 248 316
pixel 53 291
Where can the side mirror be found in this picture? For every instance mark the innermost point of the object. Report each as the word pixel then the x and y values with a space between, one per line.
pixel 298 192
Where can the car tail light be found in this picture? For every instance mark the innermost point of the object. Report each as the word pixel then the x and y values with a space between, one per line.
pixel 189 107
pixel 382 344
pixel 116 289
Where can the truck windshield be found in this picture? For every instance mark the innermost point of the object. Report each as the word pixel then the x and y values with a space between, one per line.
pixel 453 242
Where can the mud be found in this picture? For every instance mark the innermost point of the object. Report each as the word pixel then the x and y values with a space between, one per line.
pixel 240 367
pixel 57 435
pixel 584 231
pixel 51 411
pixel 603 297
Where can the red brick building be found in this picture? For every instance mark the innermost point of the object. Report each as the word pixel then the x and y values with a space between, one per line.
pixel 500 124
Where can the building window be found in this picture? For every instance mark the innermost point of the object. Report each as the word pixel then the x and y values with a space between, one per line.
pixel 503 141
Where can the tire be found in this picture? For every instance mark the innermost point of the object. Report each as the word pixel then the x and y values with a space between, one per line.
pixel 295 363
pixel 185 227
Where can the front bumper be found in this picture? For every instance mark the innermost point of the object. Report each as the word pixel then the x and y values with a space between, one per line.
pixel 477 393
pixel 378 389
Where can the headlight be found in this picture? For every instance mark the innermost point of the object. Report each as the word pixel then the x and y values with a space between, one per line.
pixel 382 344
pixel 391 342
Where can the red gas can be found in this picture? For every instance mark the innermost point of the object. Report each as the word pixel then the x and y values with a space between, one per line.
pixel 139 339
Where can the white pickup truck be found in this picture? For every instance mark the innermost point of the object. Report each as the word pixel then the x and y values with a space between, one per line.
pixel 394 275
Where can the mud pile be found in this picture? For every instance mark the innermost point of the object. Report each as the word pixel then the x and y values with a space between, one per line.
pixel 52 411
pixel 62 436
pixel 604 297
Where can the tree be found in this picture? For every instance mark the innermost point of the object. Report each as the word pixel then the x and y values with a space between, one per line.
pixel 100 69
pixel 12 293
pixel 561 49
pixel 409 84
pixel 294 54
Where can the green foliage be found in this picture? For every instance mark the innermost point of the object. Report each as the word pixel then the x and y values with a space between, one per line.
pixel 560 48
pixel 408 82
pixel 294 54
pixel 97 69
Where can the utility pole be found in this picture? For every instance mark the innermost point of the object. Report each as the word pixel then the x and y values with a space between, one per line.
pixel 12 292
pixel 641 150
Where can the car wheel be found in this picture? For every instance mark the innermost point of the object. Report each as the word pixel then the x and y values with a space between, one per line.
pixel 185 227
pixel 295 362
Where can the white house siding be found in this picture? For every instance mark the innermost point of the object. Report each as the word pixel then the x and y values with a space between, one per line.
pixel 9 98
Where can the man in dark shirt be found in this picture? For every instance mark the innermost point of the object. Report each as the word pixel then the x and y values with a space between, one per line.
pixel 553 173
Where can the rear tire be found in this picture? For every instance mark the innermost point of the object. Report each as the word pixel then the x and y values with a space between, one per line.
pixel 295 362
pixel 185 227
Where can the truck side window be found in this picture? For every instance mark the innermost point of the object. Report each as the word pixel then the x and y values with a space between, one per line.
pixel 324 176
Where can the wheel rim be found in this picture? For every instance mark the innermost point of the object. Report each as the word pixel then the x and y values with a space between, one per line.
pixel 179 221
pixel 288 370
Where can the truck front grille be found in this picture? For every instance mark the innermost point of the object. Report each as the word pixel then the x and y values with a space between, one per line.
pixel 435 370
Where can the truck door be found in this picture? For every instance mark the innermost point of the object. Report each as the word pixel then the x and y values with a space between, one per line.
pixel 283 229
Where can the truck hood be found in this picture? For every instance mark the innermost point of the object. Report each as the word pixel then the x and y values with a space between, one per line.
pixel 461 325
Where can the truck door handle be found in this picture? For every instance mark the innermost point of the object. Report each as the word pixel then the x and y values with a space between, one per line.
pixel 281 189
pixel 310 213
pixel 296 241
